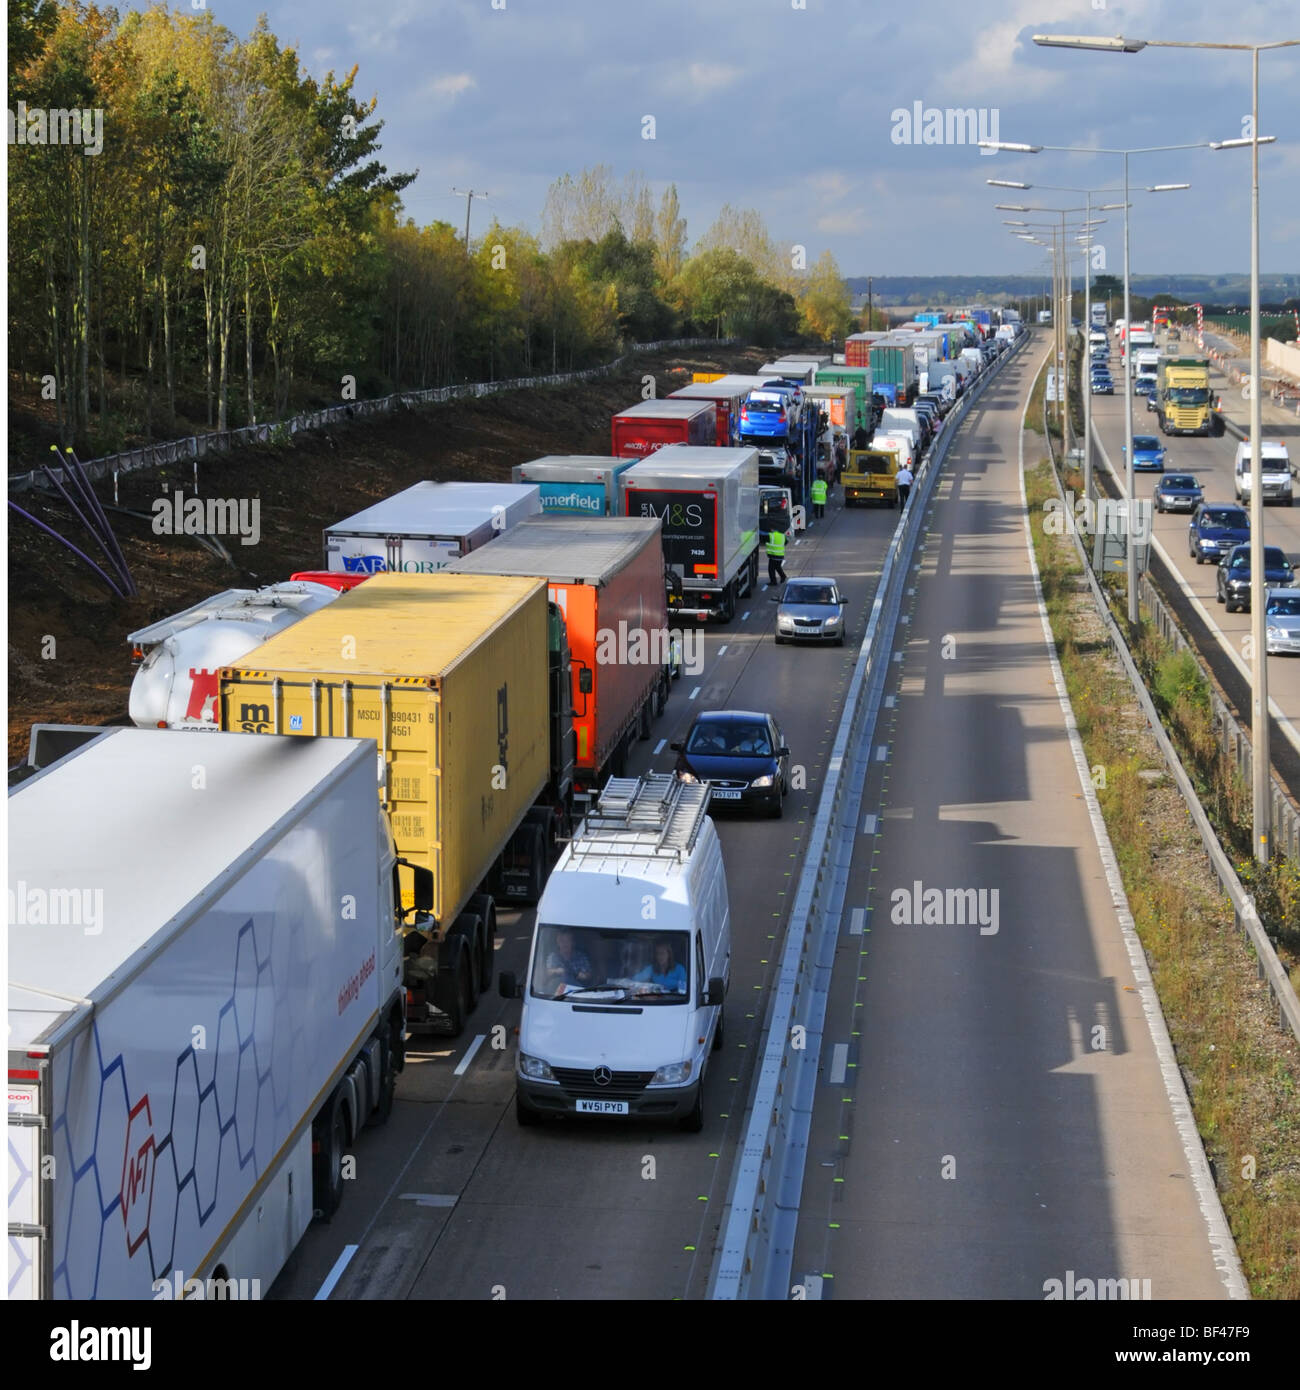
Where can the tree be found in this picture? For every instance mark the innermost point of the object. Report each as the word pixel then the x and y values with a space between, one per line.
pixel 825 304
pixel 670 237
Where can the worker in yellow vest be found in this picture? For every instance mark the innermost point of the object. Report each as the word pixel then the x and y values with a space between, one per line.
pixel 775 556
pixel 819 498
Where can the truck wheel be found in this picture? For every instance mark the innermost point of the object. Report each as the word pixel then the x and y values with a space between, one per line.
pixel 645 719
pixel 524 1113
pixel 661 691
pixel 717 1034
pixel 460 1003
pixel 693 1121
pixel 387 1084
pixel 486 911
pixel 537 862
pixel 469 927
pixel 728 609
pixel 330 1140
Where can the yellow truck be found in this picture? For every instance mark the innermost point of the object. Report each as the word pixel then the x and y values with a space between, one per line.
pixel 457 678
pixel 869 477
pixel 1183 396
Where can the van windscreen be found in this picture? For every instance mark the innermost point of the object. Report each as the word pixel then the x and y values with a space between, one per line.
pixel 611 965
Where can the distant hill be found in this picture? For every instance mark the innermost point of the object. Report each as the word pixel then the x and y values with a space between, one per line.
pixel 945 290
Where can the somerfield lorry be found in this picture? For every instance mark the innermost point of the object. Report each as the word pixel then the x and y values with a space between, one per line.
pixel 452 675
pixel 1183 396
pixel 205 1007
pixel 427 526
pixel 643 429
pixel 574 484
pixel 607 581
pixel 707 500
pixel 179 658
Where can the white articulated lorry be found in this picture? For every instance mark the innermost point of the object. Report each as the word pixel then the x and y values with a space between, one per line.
pixel 427 526
pixel 205 1006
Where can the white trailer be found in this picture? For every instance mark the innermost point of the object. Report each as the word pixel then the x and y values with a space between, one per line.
pixel 180 658
pixel 204 986
pixel 426 527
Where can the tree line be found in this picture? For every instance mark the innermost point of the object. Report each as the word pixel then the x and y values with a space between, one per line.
pixel 236 249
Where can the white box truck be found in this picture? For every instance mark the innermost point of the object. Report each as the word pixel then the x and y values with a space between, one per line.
pixel 180 658
pixel 426 527
pixel 205 1006
pixel 707 499
pixel 630 962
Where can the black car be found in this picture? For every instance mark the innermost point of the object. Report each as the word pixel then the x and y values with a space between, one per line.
pixel 1232 588
pixel 1215 529
pixel 741 754
pixel 1178 492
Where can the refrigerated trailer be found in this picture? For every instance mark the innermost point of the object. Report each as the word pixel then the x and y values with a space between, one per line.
pixel 205 1006
pixel 425 527
pixel 645 428
pixel 574 484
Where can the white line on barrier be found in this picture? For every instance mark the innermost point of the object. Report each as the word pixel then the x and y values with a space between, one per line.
pixel 857 920
pixel 839 1063
pixel 869 824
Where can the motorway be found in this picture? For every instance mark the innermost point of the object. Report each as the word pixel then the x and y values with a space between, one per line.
pixel 969 1139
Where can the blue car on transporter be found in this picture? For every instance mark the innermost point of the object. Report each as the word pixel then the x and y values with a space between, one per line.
pixel 768 413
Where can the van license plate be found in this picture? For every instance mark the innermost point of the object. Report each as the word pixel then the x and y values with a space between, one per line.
pixel 725 794
pixel 601 1107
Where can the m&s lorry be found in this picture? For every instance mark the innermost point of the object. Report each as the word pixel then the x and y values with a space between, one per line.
pixel 205 1006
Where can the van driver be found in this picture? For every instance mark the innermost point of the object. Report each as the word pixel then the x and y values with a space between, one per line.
pixel 566 965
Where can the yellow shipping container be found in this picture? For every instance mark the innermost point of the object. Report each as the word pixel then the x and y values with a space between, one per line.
pixel 448 673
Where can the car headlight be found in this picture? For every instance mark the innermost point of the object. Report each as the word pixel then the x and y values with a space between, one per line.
pixel 833 620
pixel 534 1068
pixel 689 777
pixel 675 1074
pixel 762 781
pixel 1276 633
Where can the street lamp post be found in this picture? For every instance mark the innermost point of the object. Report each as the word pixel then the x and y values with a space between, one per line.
pixel 1261 761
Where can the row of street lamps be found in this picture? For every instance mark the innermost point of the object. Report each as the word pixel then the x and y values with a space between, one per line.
pixel 1259 695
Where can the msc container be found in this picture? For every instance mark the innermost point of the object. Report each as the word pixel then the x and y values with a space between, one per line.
pixel 642 429
pixel 448 674
pixel 707 500
pixel 607 581
pixel 427 526
pixel 189 1008
pixel 574 484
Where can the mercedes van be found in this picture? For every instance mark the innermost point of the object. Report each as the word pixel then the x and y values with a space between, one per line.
pixel 1274 471
pixel 630 961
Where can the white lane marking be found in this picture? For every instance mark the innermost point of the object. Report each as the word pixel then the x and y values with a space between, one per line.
pixel 429 1199
pixel 898 656
pixel 869 824
pixel 463 1065
pixel 744 615
pixel 722 650
pixel 694 693
pixel 889 701
pixel 1226 1259
pixel 882 753
pixel 659 747
pixel 839 1063
pixel 857 921
pixel 336 1273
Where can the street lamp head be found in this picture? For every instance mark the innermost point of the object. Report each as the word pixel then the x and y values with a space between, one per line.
pixel 1006 183
pixel 1014 222
pixel 1242 144
pixel 1167 187
pixel 1010 207
pixel 1007 145
pixel 1091 41
pixel 1111 207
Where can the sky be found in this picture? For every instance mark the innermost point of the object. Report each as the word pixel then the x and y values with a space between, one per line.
pixel 802 109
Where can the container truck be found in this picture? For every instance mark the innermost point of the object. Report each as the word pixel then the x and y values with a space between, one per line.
pixel 727 401
pixel 1183 396
pixel 869 476
pixel 790 369
pixel 931 317
pixel 642 429
pixel 860 379
pixel 205 1007
pixel 574 484
pixel 427 526
pixel 841 407
pixel 707 500
pixel 857 350
pixel 463 681
pixel 894 364
pixel 608 583
pixel 178 658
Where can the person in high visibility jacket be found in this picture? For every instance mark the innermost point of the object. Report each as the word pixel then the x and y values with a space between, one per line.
pixel 819 498
pixel 775 556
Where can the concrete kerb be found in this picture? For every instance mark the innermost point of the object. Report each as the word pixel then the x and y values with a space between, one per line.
pixel 1269 966
pixel 764 1194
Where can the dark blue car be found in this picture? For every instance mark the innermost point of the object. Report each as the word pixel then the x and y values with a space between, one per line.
pixel 1178 492
pixel 1215 529
pixel 1232 586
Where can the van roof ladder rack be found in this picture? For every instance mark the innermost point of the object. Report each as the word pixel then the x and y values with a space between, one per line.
pixel 644 817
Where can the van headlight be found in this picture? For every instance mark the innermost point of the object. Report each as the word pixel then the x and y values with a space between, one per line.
pixel 534 1068
pixel 676 1074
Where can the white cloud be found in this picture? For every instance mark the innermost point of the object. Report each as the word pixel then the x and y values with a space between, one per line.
pixel 452 84
pixel 830 184
pixel 700 81
pixel 846 222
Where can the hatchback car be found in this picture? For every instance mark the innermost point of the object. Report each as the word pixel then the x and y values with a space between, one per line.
pixel 1232 583
pixel 1102 386
pixel 1214 530
pixel 1148 454
pixel 1178 492
pixel 810 610
pixel 1282 631
pixel 741 754
pixel 767 414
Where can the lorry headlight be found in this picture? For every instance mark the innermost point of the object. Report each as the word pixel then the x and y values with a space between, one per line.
pixel 534 1068
pixel 676 1074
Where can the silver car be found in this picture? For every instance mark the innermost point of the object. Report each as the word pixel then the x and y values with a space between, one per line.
pixel 1282 621
pixel 811 609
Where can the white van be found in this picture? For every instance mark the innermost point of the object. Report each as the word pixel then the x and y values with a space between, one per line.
pixel 1274 471
pixel 902 420
pixel 630 961
pixel 900 443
